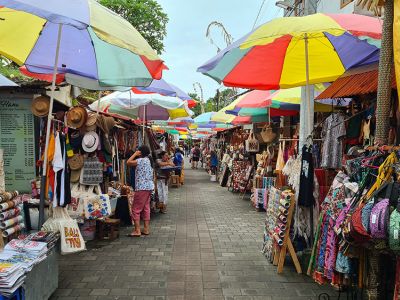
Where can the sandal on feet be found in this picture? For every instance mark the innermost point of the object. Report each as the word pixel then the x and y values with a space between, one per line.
pixel 145 233
pixel 133 235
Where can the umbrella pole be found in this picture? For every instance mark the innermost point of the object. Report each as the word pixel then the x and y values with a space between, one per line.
pixel 144 120
pixel 309 132
pixel 308 96
pixel 49 119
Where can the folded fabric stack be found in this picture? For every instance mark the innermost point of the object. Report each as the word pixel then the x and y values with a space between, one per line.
pixel 11 220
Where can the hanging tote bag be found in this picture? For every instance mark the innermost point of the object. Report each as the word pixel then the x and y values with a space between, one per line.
pixel 379 219
pixel 75 208
pixel 92 171
pixel 71 237
pixel 267 134
pixel 96 205
pixel 252 144
pixel 394 231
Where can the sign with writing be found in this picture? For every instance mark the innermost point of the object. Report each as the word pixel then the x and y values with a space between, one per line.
pixel 17 141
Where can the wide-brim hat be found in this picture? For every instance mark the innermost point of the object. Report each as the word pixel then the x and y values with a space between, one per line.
pixel 77 117
pixel 90 141
pixel 91 122
pixel 105 123
pixel 76 162
pixel 75 176
pixel 40 106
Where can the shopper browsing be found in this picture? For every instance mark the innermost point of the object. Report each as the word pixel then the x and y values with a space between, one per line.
pixel 144 185
pixel 163 165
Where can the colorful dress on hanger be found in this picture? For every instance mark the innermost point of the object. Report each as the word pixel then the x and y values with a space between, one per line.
pixel 326 257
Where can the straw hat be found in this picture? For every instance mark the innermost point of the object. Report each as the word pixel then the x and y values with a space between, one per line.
pixel 105 123
pixel 75 176
pixel 90 141
pixel 91 122
pixel 76 162
pixel 40 106
pixel 76 117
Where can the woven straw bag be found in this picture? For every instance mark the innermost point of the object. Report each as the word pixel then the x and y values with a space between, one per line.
pixel 267 134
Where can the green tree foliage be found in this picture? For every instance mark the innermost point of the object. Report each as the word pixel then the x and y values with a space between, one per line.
pixel 197 108
pixel 147 16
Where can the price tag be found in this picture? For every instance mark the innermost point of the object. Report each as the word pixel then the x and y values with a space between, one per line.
pixel 373 219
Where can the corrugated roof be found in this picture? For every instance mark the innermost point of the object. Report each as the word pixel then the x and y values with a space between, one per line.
pixel 354 84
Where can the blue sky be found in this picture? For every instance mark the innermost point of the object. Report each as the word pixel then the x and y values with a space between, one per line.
pixel 186 46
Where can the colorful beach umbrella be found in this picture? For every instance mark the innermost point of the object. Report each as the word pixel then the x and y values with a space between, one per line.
pixel 95 43
pixel 163 87
pixel 273 56
pixel 146 107
pixel 222 117
pixel 284 102
pixel 204 118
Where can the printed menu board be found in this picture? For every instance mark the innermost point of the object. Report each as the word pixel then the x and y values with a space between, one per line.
pixel 17 141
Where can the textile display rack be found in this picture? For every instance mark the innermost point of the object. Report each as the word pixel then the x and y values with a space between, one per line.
pixel 277 241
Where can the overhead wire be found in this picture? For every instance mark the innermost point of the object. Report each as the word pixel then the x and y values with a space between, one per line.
pixel 258 14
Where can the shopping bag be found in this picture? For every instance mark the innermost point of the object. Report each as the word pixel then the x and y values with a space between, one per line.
pixel 92 171
pixel 267 134
pixel 252 144
pixel 71 237
pixel 96 205
pixel 75 208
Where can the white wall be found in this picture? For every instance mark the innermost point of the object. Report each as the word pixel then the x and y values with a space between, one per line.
pixel 333 7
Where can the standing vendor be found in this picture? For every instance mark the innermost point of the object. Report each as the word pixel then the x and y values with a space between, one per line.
pixel 163 162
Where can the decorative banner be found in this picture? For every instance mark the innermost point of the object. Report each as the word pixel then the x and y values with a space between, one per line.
pixel 18 142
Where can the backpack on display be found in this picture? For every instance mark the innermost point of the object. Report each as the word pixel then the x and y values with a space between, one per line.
pixel 394 231
pixel 379 219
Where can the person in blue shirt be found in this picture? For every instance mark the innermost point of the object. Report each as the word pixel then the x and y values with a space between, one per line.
pixel 213 162
pixel 178 160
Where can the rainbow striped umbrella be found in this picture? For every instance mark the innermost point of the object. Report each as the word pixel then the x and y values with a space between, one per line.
pixel 282 52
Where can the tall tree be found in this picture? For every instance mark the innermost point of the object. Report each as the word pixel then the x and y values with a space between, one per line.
pixel 147 16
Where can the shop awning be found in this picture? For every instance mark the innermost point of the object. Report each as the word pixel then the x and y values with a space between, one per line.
pixel 354 83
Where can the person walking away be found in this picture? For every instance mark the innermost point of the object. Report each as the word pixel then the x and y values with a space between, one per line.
pixel 195 157
pixel 144 185
pixel 163 161
pixel 178 162
pixel 187 152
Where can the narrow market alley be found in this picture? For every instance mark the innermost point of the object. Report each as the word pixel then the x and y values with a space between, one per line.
pixel 207 246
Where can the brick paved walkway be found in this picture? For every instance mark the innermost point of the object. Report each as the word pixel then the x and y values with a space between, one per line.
pixel 206 247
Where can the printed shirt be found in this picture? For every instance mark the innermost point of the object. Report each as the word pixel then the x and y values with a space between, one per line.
pixel 144 175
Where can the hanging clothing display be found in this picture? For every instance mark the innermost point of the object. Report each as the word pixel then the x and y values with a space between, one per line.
pixel 306 192
pixel 333 130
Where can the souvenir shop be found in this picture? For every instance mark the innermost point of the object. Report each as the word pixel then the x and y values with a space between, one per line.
pixel 87 151
pixel 332 205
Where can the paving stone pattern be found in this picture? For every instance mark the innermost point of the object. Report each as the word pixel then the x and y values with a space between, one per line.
pixel 207 246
